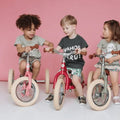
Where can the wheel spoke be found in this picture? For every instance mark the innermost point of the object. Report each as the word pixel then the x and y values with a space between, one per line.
pixel 21 91
pixel 61 94
pixel 99 97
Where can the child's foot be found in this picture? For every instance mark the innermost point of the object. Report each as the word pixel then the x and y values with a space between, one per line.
pixel 35 81
pixel 116 100
pixel 50 97
pixel 21 75
pixel 82 99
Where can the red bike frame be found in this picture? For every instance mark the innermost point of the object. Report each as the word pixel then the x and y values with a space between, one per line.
pixel 63 71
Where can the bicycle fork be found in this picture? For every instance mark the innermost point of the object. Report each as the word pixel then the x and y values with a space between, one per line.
pixel 28 87
pixel 104 76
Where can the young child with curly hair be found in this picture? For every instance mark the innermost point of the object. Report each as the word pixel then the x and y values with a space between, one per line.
pixel 28 24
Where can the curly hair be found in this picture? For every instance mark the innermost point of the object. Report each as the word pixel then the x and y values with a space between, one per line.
pixel 114 27
pixel 26 20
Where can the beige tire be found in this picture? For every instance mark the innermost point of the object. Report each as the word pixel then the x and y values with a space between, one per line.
pixel 47 81
pixel 95 96
pixel 90 78
pixel 59 93
pixel 10 79
pixel 18 92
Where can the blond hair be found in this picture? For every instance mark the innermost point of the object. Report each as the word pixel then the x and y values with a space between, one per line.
pixel 68 19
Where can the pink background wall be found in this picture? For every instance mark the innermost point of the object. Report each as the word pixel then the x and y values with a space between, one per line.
pixel 90 14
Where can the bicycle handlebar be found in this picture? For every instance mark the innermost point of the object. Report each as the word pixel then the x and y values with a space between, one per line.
pixel 32 47
pixel 102 55
pixel 55 51
pixel 63 53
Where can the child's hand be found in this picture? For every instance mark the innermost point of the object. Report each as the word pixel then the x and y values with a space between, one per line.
pixel 110 60
pixel 49 49
pixel 81 51
pixel 77 51
pixel 27 49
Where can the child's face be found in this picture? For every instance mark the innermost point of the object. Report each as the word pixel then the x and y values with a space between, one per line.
pixel 69 29
pixel 29 33
pixel 106 32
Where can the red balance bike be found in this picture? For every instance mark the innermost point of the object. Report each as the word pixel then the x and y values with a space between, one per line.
pixel 62 81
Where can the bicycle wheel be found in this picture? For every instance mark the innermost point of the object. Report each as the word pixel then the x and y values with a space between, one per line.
pixel 18 92
pixel 47 81
pixel 59 93
pixel 96 97
pixel 90 78
pixel 10 79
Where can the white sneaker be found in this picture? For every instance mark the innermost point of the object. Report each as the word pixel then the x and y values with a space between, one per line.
pixel 116 100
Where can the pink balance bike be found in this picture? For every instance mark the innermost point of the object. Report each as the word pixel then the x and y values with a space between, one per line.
pixel 98 91
pixel 63 82
pixel 24 90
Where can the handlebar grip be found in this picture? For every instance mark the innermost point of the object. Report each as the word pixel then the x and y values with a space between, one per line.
pixel 44 50
pixel 19 54
pixel 115 52
pixel 35 46
pixel 83 53
pixel 93 55
pixel 32 47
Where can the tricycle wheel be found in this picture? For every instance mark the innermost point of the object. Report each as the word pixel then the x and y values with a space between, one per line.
pixel 97 98
pixel 47 81
pixel 10 79
pixel 18 92
pixel 59 93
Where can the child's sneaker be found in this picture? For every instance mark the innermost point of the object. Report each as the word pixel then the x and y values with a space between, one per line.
pixel 82 99
pixel 21 76
pixel 50 97
pixel 116 100
pixel 35 80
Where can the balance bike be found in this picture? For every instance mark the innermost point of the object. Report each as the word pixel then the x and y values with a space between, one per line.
pixel 24 90
pixel 99 92
pixel 63 82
